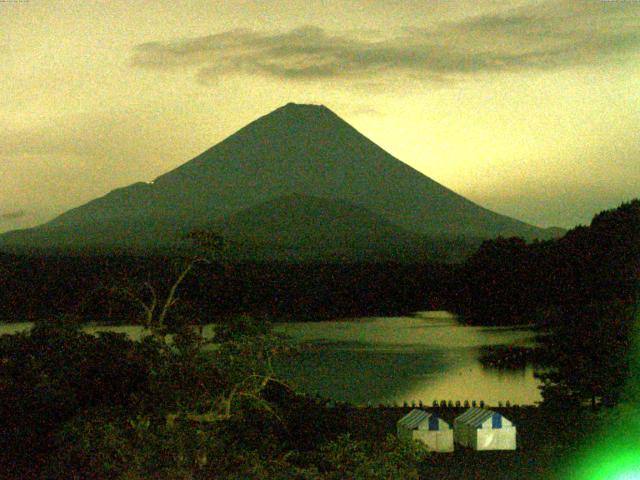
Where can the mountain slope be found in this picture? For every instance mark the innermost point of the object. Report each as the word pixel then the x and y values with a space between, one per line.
pixel 302 227
pixel 296 149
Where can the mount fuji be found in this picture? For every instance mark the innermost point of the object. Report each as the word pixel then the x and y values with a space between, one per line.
pixel 299 179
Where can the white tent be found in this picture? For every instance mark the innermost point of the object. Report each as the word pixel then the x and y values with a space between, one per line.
pixel 483 429
pixel 427 428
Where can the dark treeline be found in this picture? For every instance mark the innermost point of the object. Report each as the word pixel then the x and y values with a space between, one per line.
pixel 581 289
pixel 101 288
pixel 508 281
pixel 505 282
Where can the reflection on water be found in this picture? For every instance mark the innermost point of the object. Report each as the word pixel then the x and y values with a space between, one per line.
pixel 425 357
pixel 422 358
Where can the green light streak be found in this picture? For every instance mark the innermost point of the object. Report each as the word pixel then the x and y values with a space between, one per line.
pixel 612 465
pixel 615 455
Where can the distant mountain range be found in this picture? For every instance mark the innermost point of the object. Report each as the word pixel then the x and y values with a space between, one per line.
pixel 297 183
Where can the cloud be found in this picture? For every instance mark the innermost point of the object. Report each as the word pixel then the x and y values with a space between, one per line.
pixel 12 215
pixel 543 36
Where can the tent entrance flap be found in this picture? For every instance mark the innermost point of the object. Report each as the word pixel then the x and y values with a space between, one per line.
pixel 496 421
pixel 433 423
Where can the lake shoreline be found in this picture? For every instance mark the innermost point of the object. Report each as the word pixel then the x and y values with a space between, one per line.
pixel 390 360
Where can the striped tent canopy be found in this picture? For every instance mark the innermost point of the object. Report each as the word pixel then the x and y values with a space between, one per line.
pixel 420 420
pixel 482 418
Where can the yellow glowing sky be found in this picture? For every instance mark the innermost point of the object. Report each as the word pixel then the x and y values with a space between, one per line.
pixel 530 108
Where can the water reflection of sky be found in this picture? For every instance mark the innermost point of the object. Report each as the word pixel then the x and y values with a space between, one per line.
pixel 396 359
pixel 424 357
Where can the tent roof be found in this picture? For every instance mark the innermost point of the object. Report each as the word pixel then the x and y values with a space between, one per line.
pixel 476 417
pixel 417 418
pixel 414 418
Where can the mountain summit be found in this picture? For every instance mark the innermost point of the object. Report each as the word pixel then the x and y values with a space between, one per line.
pixel 304 150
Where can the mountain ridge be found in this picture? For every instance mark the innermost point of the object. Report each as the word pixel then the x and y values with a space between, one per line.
pixel 295 149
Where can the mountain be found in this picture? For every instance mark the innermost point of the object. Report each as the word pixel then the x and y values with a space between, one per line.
pixel 296 158
pixel 302 228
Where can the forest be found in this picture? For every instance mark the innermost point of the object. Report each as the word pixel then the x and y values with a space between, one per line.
pixel 44 286
pixel 179 405
pixel 580 291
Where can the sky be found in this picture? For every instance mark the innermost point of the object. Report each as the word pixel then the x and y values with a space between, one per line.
pixel 530 108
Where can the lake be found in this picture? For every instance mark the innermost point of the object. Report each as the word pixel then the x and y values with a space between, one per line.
pixel 425 357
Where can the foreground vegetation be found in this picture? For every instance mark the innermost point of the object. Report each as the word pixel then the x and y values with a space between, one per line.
pixel 74 405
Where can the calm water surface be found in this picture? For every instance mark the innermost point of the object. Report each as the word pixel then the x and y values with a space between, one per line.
pixel 428 356
pixel 424 357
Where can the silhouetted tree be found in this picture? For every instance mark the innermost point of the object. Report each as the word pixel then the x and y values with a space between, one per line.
pixel 155 306
pixel 587 356
pixel 495 283
pixel 596 294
